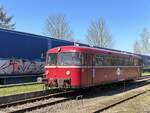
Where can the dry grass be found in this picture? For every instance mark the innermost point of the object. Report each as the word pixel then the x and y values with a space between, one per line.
pixel 20 89
pixel 146 74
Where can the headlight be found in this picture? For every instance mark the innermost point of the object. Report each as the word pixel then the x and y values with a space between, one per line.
pixel 68 72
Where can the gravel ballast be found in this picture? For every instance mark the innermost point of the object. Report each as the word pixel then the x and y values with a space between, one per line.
pixel 89 105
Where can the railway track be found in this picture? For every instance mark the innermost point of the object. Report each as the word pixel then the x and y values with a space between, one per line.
pixel 74 97
pixel 34 99
pixel 42 104
pixel 33 107
pixel 115 103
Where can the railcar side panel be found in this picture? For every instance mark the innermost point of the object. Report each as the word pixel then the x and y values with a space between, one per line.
pixel 131 72
pixel 103 75
pixel 107 75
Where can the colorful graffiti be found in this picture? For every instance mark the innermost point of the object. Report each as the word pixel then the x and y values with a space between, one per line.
pixel 20 66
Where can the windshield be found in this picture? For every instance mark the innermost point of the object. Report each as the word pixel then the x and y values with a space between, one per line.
pixel 52 59
pixel 64 59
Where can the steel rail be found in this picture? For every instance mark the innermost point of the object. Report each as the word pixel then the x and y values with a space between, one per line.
pixel 120 101
pixel 35 99
pixel 40 106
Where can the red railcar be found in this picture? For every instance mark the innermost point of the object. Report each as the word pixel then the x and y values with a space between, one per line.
pixel 81 67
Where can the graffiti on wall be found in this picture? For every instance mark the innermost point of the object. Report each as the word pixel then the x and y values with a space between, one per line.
pixel 20 66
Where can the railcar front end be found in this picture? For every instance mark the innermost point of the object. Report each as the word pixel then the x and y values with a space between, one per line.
pixel 62 69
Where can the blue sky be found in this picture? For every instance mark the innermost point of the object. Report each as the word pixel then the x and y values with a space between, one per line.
pixel 125 19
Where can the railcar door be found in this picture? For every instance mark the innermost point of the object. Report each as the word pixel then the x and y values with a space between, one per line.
pixel 90 69
pixel 87 70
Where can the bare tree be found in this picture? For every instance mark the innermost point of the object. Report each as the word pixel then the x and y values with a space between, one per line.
pixel 58 27
pixel 5 21
pixel 137 48
pixel 142 46
pixel 98 34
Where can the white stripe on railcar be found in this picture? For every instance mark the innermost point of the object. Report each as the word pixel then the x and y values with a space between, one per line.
pixel 91 66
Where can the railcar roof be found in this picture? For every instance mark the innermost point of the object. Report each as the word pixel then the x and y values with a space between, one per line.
pixel 91 50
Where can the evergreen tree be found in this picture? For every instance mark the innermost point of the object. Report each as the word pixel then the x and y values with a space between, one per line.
pixel 5 21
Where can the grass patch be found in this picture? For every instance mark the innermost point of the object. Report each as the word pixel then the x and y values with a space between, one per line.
pixel 146 74
pixel 20 89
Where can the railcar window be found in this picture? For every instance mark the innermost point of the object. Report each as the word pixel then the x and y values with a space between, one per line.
pixel 52 59
pixel 123 61
pixel 69 59
pixel 99 60
pixel 136 62
pixel 119 61
pixel 126 61
pixel 77 59
pixel 115 61
pixel 131 63
pixel 107 61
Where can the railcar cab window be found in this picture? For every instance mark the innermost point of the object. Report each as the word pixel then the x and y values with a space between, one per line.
pixel 69 59
pixel 64 59
pixel 52 59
